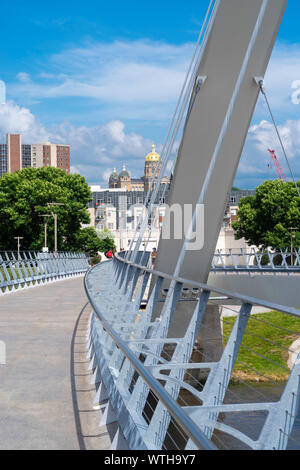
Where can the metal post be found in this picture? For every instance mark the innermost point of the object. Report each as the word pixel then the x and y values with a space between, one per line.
pixel 19 244
pixel 55 233
pixel 55 222
pixel 292 230
pixel 45 234
pixel 45 229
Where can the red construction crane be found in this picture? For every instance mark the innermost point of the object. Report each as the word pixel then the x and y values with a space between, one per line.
pixel 278 167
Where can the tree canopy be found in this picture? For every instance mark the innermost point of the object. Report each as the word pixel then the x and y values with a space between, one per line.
pixel 107 240
pixel 267 218
pixel 24 198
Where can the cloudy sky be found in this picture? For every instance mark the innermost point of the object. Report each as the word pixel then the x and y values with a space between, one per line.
pixel 104 77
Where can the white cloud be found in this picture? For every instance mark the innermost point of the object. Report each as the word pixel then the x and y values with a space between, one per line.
pixel 18 119
pixel 296 94
pixel 97 150
pixel 253 168
pixel 263 136
pixel 283 74
pixel 94 150
pixel 140 81
pixel 23 77
pixel 145 76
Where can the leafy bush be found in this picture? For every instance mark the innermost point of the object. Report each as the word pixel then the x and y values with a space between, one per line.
pixel 95 260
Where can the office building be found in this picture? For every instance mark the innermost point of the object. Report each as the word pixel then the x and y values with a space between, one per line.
pixel 15 156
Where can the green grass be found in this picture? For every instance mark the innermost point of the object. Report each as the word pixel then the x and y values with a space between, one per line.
pixel 25 272
pixel 277 353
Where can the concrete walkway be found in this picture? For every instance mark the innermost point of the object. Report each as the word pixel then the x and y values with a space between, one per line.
pixel 45 391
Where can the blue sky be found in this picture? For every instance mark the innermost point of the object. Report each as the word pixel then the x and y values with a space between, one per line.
pixel 105 76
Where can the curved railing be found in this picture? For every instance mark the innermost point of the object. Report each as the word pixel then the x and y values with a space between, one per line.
pixel 164 390
pixel 24 270
pixel 254 260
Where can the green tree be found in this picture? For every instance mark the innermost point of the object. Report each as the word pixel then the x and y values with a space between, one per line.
pixel 107 240
pixel 88 241
pixel 266 219
pixel 24 196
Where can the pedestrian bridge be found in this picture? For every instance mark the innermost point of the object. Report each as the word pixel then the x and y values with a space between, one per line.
pixel 271 276
pixel 135 368
pixel 182 392
pixel 169 369
pixel 46 399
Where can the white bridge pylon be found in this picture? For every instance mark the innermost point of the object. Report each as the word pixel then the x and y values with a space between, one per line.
pixel 236 51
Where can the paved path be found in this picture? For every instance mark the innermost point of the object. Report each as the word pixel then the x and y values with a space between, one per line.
pixel 45 381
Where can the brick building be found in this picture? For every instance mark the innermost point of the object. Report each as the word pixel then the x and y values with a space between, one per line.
pixel 15 156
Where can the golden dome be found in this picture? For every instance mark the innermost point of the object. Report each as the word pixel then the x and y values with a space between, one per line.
pixel 153 156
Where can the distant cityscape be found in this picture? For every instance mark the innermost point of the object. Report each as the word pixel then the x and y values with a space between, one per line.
pixel 118 207
pixel 15 156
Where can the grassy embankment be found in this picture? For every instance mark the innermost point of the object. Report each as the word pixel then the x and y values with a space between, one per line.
pixel 275 348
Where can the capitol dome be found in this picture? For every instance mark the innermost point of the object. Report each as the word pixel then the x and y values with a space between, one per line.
pixel 114 176
pixel 153 156
pixel 124 173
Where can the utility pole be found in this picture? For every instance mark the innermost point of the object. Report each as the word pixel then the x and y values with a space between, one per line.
pixel 19 244
pixel 45 230
pixel 54 215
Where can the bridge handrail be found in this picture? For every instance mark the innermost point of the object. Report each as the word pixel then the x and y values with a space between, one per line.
pixel 222 292
pixel 256 260
pixel 130 350
pixel 174 409
pixel 26 269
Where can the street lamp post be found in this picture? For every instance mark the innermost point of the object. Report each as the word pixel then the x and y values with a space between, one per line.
pixel 45 229
pixel 54 215
pixel 19 244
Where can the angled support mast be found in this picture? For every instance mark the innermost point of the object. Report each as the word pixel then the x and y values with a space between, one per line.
pixel 238 50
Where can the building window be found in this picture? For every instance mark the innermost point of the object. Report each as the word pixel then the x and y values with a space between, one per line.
pixel 233 199
pixel 111 226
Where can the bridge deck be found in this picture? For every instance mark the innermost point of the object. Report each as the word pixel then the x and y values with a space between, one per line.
pixel 45 380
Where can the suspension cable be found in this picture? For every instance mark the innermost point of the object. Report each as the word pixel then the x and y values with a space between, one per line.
pixel 189 82
pixel 263 91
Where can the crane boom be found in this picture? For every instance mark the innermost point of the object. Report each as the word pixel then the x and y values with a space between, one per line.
pixel 278 167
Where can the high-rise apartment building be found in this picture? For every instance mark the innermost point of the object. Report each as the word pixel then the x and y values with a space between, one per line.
pixel 14 155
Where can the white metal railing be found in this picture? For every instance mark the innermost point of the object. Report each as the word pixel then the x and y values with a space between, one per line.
pixel 165 392
pixel 24 270
pixel 282 260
